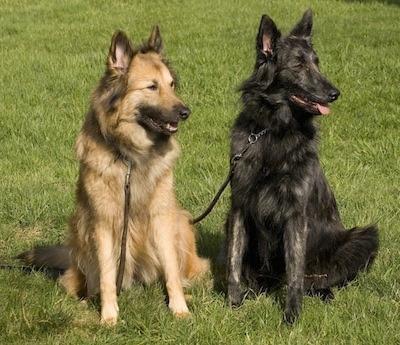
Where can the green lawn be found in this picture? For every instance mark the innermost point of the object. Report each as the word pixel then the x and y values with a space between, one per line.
pixel 53 54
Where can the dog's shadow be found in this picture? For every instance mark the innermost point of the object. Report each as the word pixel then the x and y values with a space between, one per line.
pixel 212 246
pixel 49 273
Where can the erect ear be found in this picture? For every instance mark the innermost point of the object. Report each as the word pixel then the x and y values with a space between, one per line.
pixel 303 28
pixel 121 52
pixel 155 41
pixel 267 36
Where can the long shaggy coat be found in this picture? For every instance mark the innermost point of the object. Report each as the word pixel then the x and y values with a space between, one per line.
pixel 126 140
pixel 284 225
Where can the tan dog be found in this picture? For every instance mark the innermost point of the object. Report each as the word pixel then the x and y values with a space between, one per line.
pixel 133 112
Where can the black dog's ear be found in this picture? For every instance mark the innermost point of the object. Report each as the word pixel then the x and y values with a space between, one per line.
pixel 267 36
pixel 155 41
pixel 303 28
pixel 120 54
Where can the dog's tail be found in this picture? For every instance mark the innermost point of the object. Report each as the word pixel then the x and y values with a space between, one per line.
pixel 356 252
pixel 47 257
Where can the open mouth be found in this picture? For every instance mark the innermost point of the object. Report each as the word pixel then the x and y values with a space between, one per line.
pixel 312 107
pixel 166 127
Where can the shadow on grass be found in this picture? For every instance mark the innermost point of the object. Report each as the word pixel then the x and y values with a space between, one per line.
pixel 50 273
pixel 210 246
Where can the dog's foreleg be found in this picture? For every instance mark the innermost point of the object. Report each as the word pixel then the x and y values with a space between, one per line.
pixel 107 275
pixel 295 235
pixel 237 243
pixel 167 248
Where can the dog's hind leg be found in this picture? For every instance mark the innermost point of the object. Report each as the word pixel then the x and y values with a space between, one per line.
pixel 237 244
pixel 74 283
pixel 194 266
pixel 295 235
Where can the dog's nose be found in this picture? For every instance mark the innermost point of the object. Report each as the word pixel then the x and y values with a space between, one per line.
pixel 333 95
pixel 184 112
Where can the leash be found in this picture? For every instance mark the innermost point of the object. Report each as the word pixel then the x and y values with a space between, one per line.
pixel 122 258
pixel 252 139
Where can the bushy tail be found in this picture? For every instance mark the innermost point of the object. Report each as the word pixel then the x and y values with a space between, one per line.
pixel 356 253
pixel 52 257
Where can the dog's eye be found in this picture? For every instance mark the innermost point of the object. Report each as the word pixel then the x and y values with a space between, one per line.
pixel 299 62
pixel 173 84
pixel 152 87
pixel 297 65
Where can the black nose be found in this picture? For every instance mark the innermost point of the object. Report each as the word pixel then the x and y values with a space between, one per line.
pixel 333 95
pixel 184 112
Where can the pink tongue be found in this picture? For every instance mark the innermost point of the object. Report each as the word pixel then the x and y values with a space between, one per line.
pixel 323 109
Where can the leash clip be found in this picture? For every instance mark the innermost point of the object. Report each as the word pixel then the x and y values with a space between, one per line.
pixel 254 137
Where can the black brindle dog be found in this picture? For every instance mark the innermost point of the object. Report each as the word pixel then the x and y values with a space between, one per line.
pixel 284 225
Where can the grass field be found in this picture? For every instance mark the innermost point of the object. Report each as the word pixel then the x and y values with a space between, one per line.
pixel 53 54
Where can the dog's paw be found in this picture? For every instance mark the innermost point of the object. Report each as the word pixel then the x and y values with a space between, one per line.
pixel 292 310
pixel 290 316
pixel 109 321
pixel 235 298
pixel 179 309
pixel 325 295
pixel 188 298
pixel 182 314
pixel 109 315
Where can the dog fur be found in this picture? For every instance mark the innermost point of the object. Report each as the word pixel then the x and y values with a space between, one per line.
pixel 284 225
pixel 133 113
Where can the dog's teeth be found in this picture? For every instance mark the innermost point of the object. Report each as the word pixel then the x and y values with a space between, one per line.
pixel 171 127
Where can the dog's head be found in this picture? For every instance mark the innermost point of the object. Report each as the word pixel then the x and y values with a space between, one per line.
pixel 138 89
pixel 287 67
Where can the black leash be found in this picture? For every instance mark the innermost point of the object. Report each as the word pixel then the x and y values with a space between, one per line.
pixel 218 195
pixel 252 139
pixel 122 259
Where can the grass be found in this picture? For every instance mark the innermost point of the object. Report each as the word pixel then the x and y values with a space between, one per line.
pixel 52 55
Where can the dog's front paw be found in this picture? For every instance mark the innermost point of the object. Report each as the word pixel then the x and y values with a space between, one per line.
pixel 290 316
pixel 292 311
pixel 235 297
pixel 109 315
pixel 179 309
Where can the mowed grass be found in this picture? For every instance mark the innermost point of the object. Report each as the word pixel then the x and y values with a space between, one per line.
pixel 53 54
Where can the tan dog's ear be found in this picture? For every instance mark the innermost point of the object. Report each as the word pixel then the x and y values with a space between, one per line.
pixel 121 53
pixel 155 41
